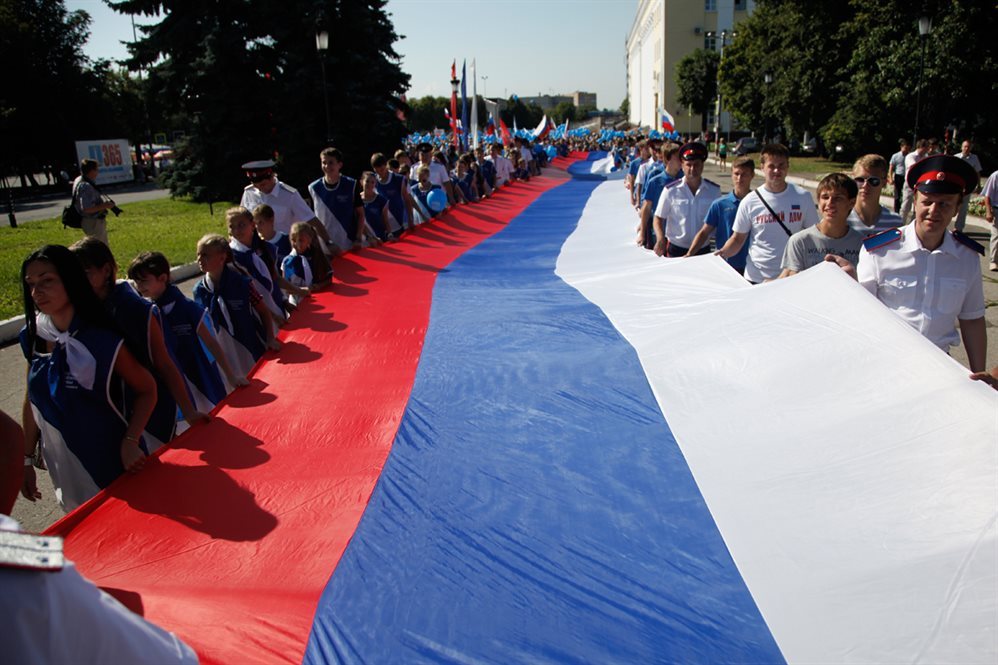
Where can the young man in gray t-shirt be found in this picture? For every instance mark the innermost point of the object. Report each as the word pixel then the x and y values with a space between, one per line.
pixel 833 235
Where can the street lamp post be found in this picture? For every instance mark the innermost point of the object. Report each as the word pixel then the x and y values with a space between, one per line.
pixel 717 109
pixel 321 46
pixel 485 86
pixel 924 30
pixel 454 83
pixel 768 78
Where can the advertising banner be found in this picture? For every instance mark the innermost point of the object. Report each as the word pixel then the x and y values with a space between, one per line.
pixel 114 158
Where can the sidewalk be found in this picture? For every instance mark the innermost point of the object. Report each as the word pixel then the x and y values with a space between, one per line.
pixel 47 206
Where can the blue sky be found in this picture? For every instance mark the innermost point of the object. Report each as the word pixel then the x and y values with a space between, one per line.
pixel 527 47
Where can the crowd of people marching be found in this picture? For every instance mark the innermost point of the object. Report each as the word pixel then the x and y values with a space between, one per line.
pixel 139 361
pixel 907 258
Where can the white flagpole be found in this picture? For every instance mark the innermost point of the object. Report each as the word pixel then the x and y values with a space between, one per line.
pixel 474 106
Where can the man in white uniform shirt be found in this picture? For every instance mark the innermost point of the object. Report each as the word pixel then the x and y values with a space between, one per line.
pixel 682 207
pixel 770 214
pixel 289 207
pixel 930 277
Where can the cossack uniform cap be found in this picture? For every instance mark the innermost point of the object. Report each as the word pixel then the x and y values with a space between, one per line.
pixel 693 150
pixel 943 174
pixel 259 170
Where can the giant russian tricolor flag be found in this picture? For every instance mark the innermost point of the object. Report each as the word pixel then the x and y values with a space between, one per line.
pixel 516 437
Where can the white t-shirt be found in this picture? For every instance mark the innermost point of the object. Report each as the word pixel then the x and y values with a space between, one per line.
pixel 438 173
pixel 796 210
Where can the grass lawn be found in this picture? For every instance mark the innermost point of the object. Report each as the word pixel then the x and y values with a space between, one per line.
pixel 811 167
pixel 164 225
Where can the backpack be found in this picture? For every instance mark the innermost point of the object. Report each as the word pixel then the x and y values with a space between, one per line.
pixel 71 217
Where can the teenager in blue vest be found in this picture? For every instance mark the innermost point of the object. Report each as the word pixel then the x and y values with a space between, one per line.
pixel 75 355
pixel 188 332
pixel 337 202
pixel 420 191
pixel 376 210
pixel 243 323
pixel 395 188
pixel 256 257
pixel 141 324
pixel 465 180
pixel 263 217
pixel 306 266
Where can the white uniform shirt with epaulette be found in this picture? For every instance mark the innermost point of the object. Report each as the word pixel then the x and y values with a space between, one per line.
pixel 930 290
pixel 683 212
pixel 289 207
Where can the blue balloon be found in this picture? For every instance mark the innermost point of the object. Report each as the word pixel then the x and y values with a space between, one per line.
pixel 437 200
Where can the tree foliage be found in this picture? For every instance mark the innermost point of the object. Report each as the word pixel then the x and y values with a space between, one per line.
pixel 50 97
pixel 252 81
pixel 849 71
pixel 696 81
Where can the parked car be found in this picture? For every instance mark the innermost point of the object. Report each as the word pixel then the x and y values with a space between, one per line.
pixel 747 144
pixel 810 146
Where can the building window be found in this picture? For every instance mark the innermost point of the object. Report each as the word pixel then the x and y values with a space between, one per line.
pixel 710 118
pixel 710 41
pixel 740 5
pixel 710 5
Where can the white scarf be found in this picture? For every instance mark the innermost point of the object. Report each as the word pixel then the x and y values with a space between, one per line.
pixel 82 364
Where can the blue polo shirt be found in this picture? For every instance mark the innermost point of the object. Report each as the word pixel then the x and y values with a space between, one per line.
pixel 655 184
pixel 721 215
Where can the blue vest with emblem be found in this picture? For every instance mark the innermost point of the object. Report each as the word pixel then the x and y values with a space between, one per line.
pixel 133 315
pixel 232 296
pixel 392 190
pixel 182 317
pixel 89 421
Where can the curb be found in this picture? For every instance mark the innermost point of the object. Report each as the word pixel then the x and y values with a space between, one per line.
pixel 11 328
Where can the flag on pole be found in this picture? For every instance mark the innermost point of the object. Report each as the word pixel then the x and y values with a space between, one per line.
pixel 474 106
pixel 490 126
pixel 668 122
pixel 505 131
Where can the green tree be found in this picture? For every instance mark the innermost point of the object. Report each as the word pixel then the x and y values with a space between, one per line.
pixel 876 98
pixel 427 113
pixel 696 82
pixel 564 111
pixel 805 47
pixel 625 107
pixel 43 102
pixel 252 82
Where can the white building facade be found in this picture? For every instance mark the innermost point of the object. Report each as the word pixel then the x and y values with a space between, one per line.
pixel 663 32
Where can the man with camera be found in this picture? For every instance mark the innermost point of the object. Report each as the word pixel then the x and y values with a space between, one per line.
pixel 90 203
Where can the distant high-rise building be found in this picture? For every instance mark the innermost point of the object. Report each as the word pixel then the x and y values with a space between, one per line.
pixel 663 32
pixel 548 102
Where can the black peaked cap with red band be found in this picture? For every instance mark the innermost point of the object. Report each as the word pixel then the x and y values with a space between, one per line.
pixel 943 174
pixel 693 150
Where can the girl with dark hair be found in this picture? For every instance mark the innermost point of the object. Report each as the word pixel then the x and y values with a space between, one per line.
pixel 141 324
pixel 74 355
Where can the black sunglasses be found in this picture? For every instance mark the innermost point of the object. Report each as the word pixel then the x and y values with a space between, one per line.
pixel 873 180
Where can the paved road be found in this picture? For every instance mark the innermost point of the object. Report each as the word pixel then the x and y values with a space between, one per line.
pixel 48 207
pixel 36 516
